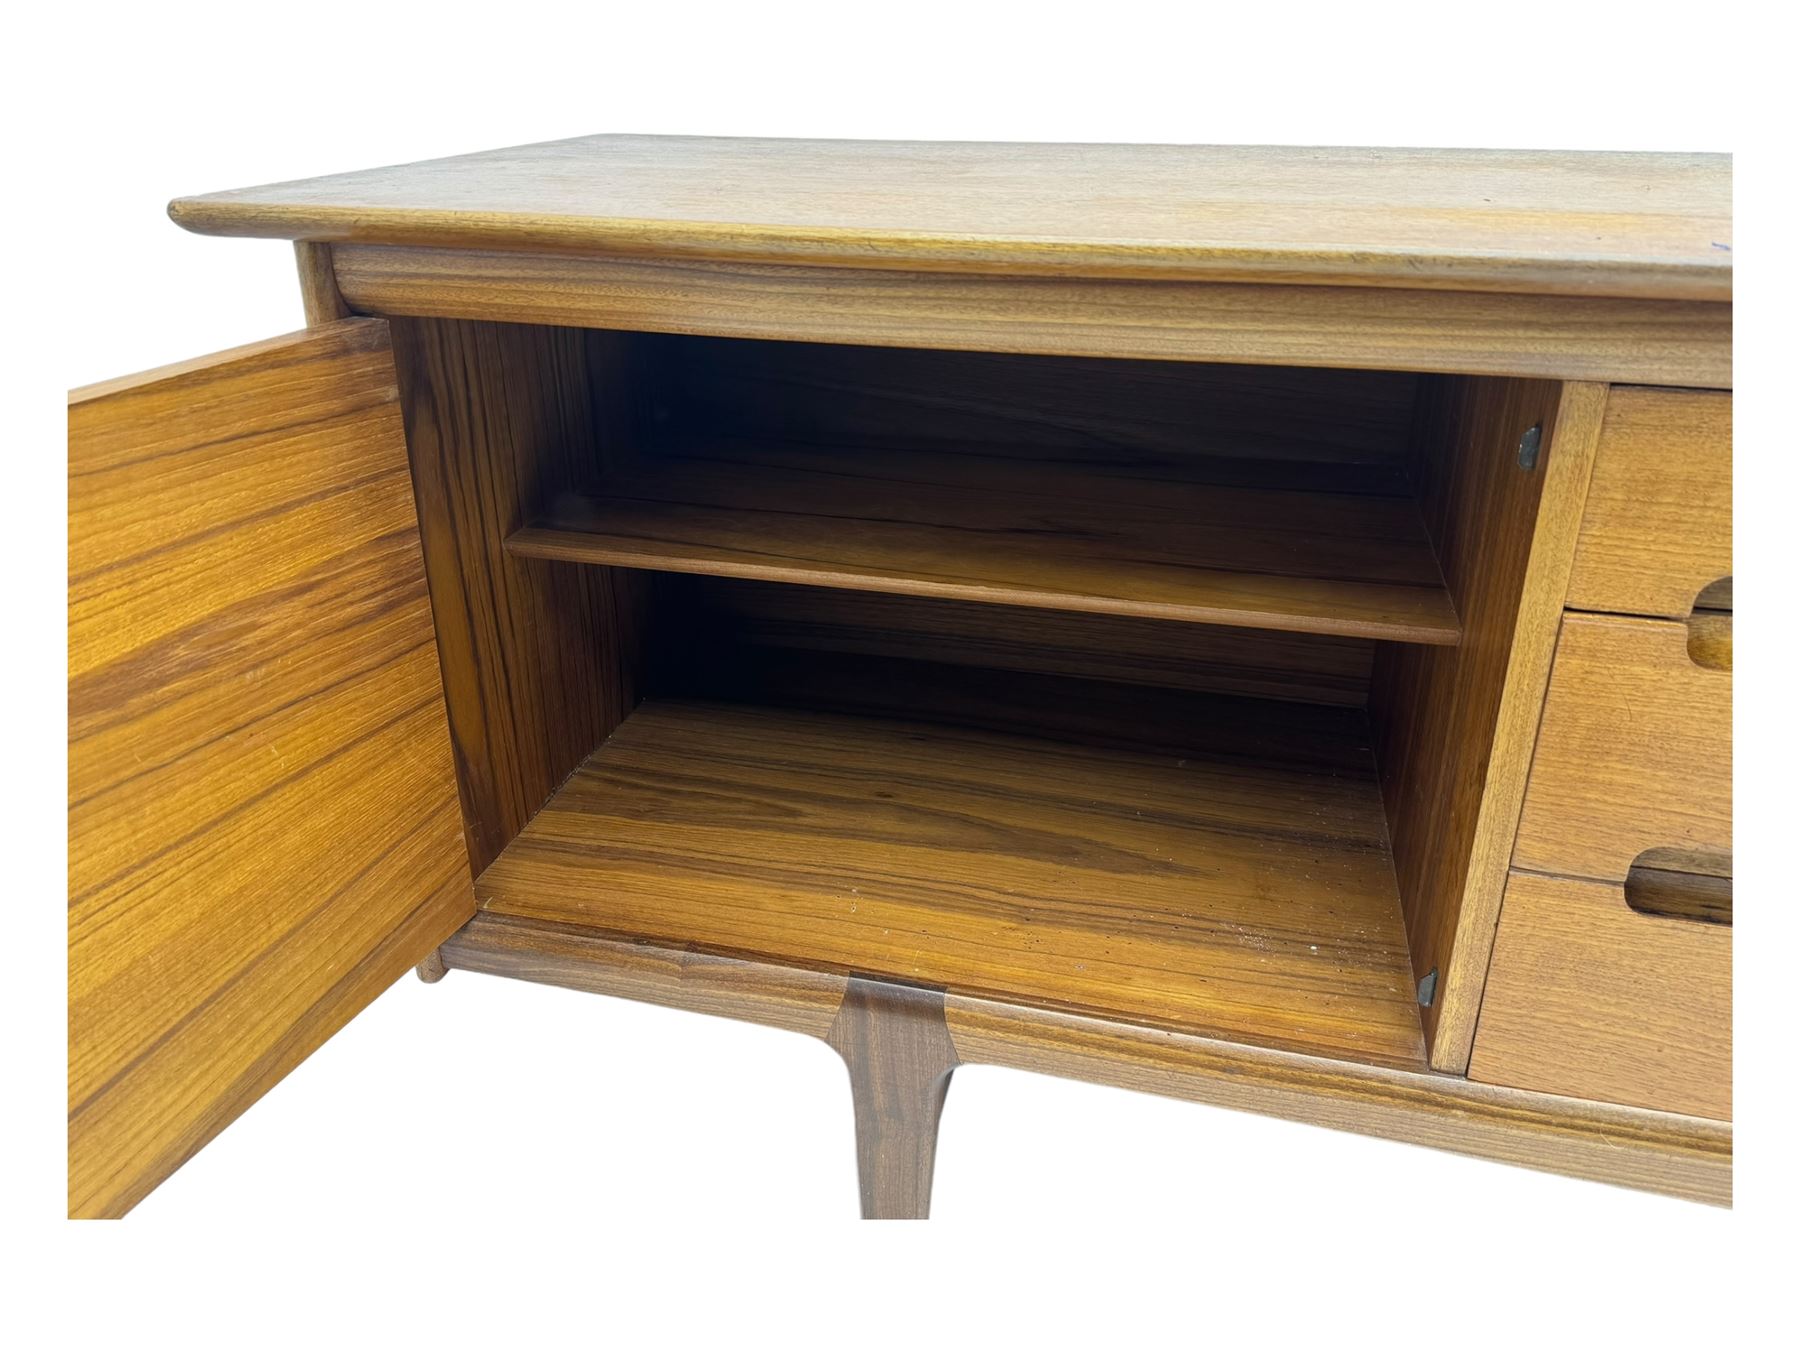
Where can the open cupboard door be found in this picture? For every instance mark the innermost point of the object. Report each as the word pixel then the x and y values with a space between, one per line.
pixel 263 821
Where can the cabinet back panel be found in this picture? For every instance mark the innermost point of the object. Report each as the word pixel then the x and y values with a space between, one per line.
pixel 1263 426
pixel 1299 667
pixel 1170 723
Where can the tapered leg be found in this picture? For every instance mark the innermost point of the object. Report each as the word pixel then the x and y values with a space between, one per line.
pixel 900 1056
pixel 432 968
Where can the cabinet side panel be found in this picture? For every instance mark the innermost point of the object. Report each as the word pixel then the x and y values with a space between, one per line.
pixel 1454 725
pixel 539 659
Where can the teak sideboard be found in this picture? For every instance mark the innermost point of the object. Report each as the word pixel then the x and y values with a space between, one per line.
pixel 1249 624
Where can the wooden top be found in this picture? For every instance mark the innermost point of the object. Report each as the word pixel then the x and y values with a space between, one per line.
pixel 1547 222
pixel 1241 888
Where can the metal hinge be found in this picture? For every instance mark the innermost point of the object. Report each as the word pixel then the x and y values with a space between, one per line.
pixel 1528 445
pixel 1428 988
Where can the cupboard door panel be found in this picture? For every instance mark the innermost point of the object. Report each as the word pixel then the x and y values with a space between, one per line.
pixel 263 821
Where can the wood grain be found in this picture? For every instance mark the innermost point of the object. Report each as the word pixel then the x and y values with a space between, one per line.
pixel 1111 876
pixel 1240 895
pixel 1675 1155
pixel 573 956
pixel 1553 222
pixel 1714 596
pixel 1634 752
pixel 1709 640
pixel 539 661
pixel 263 826
pixel 1681 883
pixel 319 294
pixel 1454 727
pixel 1589 998
pixel 431 969
pixel 1307 668
pixel 1657 530
pixel 900 1056
pixel 1673 342
pixel 964 527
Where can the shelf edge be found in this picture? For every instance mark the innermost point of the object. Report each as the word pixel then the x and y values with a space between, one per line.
pixel 554 544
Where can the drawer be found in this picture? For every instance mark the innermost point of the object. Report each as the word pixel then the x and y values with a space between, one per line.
pixel 1657 526
pixel 1588 997
pixel 1634 750
pixel 1612 980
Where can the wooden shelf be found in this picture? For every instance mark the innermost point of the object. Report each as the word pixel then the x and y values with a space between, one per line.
pixel 1091 537
pixel 1244 892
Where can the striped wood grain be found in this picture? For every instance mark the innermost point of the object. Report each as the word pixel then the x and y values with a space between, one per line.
pixel 1676 342
pixel 539 660
pixel 1243 891
pixel 1552 222
pixel 963 527
pixel 263 824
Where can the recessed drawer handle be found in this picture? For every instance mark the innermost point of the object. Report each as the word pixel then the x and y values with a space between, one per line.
pixel 1685 884
pixel 1709 627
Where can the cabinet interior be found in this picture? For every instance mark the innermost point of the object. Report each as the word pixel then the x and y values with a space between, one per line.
pixel 1158 691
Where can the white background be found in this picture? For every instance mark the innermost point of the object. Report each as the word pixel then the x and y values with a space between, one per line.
pixel 483 1159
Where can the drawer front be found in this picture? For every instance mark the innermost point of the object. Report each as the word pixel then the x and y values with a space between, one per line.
pixel 1587 997
pixel 1612 979
pixel 1657 526
pixel 1634 751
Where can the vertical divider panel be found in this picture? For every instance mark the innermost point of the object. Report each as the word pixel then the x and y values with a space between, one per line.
pixel 1454 726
